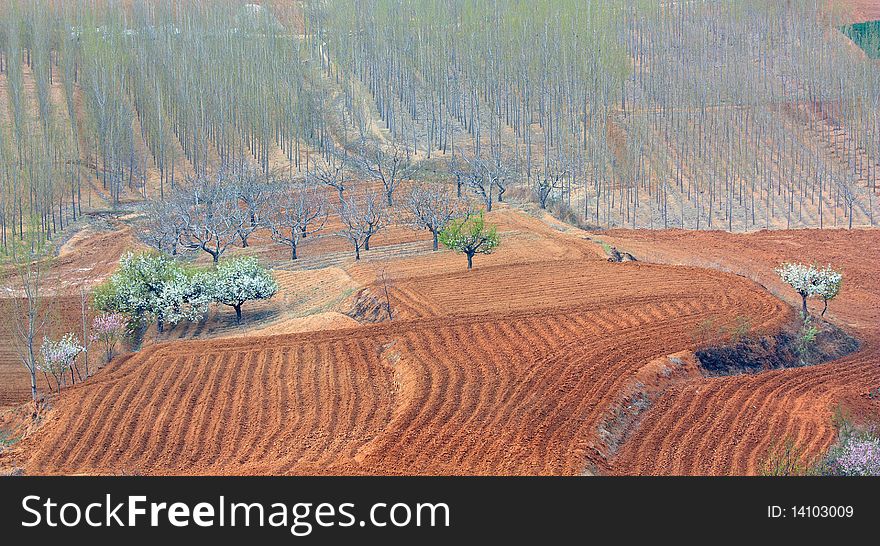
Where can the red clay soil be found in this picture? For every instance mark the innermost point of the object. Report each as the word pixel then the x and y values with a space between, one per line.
pixel 517 384
pixel 90 257
pixel 517 367
pixel 729 425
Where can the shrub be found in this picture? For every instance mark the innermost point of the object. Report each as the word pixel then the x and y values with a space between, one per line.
pixel 108 329
pixel 856 452
pixel 786 460
pixel 856 455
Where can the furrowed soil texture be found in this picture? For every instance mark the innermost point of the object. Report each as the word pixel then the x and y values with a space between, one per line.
pixel 62 314
pixel 728 425
pixel 516 367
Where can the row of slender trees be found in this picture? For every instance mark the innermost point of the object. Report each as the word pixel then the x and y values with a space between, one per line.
pixel 112 100
pixel 213 213
pixel 735 114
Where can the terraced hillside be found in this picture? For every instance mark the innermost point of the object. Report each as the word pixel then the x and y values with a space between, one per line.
pixel 519 385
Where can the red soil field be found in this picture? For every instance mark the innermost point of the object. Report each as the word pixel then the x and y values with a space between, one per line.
pixel 463 383
pixel 728 425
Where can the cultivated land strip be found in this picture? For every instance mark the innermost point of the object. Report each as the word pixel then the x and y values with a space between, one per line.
pixel 463 386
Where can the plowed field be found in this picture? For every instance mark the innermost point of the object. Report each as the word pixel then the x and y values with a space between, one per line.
pixel 727 425
pixel 522 366
pixel 515 384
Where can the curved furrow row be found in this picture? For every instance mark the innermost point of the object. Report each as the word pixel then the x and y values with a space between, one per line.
pixel 206 406
pixel 337 425
pixel 280 402
pixel 153 440
pixel 114 415
pixel 211 440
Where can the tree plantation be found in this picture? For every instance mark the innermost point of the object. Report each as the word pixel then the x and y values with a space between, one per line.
pixel 731 114
pixel 735 114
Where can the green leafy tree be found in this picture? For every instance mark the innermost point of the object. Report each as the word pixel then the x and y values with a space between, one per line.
pixel 470 236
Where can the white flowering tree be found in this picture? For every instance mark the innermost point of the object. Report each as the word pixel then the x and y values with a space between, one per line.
pixel 801 277
pixel 236 281
pixel 152 286
pixel 57 358
pixel 828 285
pixel 185 297
pixel 810 281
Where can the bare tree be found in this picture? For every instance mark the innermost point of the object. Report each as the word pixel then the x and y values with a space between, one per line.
pixel 296 211
pixel 389 166
pixel 485 178
pixel 252 189
pixel 460 174
pixel 431 207
pixel 387 284
pixel 211 216
pixel 331 175
pixel 362 217
pixel 28 309
pixel 163 226
pixel 84 316
pixel 548 182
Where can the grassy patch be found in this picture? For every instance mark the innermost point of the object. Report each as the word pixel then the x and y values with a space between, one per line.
pixel 7 438
pixel 331 304
pixel 865 35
